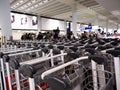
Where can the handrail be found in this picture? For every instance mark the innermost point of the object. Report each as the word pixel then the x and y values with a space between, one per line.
pixel 62 66
pixel 38 60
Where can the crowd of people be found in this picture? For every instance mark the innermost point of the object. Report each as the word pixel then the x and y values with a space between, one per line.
pixel 56 35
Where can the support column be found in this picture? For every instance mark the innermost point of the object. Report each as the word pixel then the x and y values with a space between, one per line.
pixel 107 21
pixel 68 27
pixel 39 23
pixel 117 27
pixel 96 20
pixel 74 19
pixel 5 20
pixel 113 28
pixel 65 27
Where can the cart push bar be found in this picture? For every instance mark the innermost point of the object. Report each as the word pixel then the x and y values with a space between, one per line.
pixel 16 70
pixel 38 60
pixel 31 79
pixel 2 66
pixel 97 58
pixel 7 66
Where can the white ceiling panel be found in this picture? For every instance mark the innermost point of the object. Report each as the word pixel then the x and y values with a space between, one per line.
pixel 62 9
pixel 45 6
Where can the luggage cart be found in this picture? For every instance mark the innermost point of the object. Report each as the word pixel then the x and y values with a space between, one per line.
pixel 8 71
pixel 32 85
pixel 116 54
pixel 3 82
pixel 17 75
pixel 81 79
pixel 88 84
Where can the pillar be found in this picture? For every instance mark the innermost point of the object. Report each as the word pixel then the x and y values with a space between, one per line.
pixel 65 26
pixel 68 27
pixel 107 21
pixel 39 23
pixel 117 27
pixel 74 19
pixel 5 20
pixel 96 20
pixel 113 27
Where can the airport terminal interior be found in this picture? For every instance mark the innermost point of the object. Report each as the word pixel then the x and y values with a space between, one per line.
pixel 59 44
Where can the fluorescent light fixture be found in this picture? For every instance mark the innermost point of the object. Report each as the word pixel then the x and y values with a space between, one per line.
pixel 45 1
pixel 32 7
pixel 25 6
pixel 21 1
pixel 29 3
pixel 116 12
pixel 19 8
pixel 17 3
pixel 36 5
pixel 12 7
pixel 15 6
pixel 33 1
pixel 40 3
pixel 28 9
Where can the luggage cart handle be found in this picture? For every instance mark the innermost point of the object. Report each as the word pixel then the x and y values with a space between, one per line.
pixel 62 66
pixel 97 58
pixel 25 52
pixel 41 59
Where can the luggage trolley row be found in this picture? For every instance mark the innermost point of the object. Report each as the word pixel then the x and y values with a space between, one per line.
pixel 58 84
pixel 12 56
pixel 102 79
pixel 9 50
pixel 109 46
pixel 86 65
pixel 2 62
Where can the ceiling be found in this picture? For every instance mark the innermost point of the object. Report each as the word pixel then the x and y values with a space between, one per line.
pixel 87 10
pixel 112 6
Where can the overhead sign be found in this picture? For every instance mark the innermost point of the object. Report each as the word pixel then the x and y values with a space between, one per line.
pixel 88 28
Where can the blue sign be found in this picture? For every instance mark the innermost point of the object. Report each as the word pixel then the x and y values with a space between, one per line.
pixel 88 28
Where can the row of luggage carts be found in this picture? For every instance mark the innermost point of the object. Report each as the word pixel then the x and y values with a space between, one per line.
pixel 84 64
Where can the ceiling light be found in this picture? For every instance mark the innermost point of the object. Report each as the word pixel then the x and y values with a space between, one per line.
pixel 30 3
pixel 17 4
pixel 36 5
pixel 45 1
pixel 33 1
pixel 116 12
pixel 21 1
pixel 39 3
pixel 28 9
pixel 32 7
pixel 19 8
pixel 14 6
pixel 25 6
